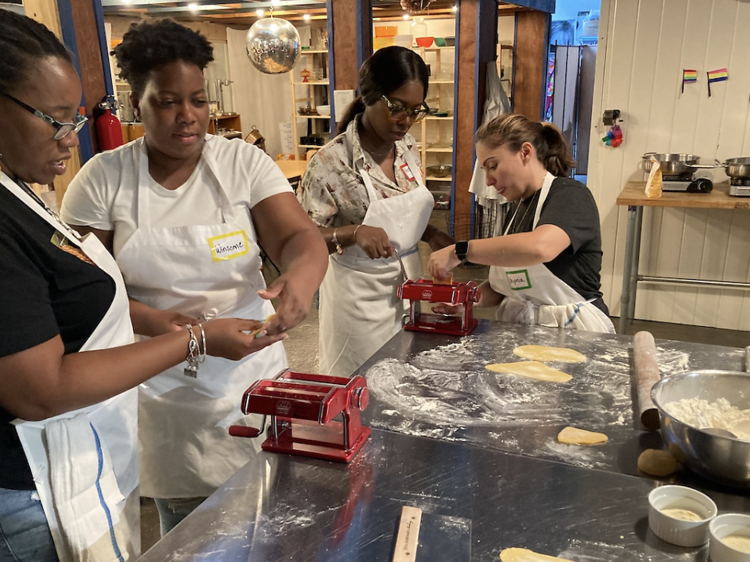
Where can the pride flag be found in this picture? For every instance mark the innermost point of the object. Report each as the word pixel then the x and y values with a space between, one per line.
pixel 718 75
pixel 688 76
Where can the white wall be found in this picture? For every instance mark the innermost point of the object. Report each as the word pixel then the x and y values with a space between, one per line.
pixel 648 43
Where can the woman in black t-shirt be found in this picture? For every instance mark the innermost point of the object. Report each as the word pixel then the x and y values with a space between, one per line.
pixel 546 260
pixel 67 357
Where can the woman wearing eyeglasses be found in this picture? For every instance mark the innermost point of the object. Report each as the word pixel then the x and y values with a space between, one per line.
pixel 366 193
pixel 68 364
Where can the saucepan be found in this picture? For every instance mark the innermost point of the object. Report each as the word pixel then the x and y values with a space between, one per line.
pixel 674 164
pixel 737 167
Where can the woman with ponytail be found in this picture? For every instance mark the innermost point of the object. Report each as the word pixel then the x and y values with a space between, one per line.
pixel 365 191
pixel 546 258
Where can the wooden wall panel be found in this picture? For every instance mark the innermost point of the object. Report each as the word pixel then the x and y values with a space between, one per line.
pixel 532 32
pixel 646 44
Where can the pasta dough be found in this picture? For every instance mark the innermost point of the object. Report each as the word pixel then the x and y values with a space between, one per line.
pixel 544 353
pixel 738 542
pixel 657 462
pixel 574 436
pixel 531 370
pixel 524 555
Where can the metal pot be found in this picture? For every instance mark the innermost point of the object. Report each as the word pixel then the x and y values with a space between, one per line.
pixel 673 164
pixel 737 167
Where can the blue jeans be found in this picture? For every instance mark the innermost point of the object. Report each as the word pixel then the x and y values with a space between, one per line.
pixel 172 511
pixel 24 532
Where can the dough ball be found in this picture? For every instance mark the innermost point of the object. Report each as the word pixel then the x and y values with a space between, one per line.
pixel 574 436
pixel 657 462
pixel 545 353
pixel 524 555
pixel 531 370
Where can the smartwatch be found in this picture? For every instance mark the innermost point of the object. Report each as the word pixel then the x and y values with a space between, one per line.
pixel 462 248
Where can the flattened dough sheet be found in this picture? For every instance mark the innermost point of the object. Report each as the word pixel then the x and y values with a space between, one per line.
pixel 575 436
pixel 545 353
pixel 531 370
pixel 524 555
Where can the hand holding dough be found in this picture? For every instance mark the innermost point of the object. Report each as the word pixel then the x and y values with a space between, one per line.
pixel 574 436
pixel 657 462
pixel 545 353
pixel 531 370
pixel 524 555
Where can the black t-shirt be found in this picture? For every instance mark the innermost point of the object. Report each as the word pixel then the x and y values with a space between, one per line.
pixel 571 207
pixel 44 291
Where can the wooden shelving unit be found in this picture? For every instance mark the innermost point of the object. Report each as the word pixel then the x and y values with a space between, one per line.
pixel 435 134
pixel 317 93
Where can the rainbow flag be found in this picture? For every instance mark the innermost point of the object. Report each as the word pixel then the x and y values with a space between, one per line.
pixel 689 75
pixel 718 75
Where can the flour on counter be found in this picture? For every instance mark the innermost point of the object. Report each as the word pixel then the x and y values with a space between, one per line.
pixel 718 415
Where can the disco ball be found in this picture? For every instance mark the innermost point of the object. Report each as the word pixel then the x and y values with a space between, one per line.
pixel 272 44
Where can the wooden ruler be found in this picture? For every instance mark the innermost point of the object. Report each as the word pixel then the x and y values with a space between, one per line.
pixel 408 534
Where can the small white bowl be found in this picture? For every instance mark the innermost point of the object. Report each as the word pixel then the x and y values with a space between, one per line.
pixel 723 526
pixel 680 531
pixel 324 110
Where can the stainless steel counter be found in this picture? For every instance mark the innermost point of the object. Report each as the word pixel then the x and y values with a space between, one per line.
pixel 474 450
pixel 437 386
pixel 280 508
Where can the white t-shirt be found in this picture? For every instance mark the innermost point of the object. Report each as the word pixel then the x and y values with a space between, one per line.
pixel 104 194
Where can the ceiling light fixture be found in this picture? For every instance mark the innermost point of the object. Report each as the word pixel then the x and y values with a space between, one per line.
pixel 455 8
pixel 193 7
pixel 406 16
pixel 306 17
pixel 275 2
pixel 259 13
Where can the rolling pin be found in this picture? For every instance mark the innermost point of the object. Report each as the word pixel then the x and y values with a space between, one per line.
pixel 646 376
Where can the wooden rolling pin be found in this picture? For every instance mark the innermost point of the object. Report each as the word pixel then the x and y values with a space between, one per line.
pixel 646 376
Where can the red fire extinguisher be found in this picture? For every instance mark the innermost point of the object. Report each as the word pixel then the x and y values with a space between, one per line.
pixel 108 130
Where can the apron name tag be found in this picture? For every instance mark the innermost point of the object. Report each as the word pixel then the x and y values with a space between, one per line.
pixel 407 172
pixel 228 246
pixel 518 280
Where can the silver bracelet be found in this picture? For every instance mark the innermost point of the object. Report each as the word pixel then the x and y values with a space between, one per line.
pixel 191 369
pixel 336 243
pixel 203 340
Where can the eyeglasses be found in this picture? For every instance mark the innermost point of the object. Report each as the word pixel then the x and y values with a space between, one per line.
pixel 398 112
pixel 62 130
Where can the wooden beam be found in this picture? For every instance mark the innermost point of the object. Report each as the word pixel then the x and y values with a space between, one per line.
pixel 342 20
pixel 530 61
pixel 45 11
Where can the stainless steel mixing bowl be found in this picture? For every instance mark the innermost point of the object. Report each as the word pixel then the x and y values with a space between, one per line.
pixel 723 459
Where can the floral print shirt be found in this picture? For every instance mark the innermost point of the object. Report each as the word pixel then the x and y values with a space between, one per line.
pixel 332 190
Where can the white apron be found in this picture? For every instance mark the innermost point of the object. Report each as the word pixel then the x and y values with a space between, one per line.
pixel 534 295
pixel 92 503
pixel 207 272
pixel 359 309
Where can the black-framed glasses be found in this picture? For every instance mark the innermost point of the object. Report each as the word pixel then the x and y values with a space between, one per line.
pixel 398 112
pixel 62 130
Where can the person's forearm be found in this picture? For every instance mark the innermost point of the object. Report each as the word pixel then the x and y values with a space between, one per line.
pixel 89 377
pixel 436 238
pixel 507 251
pixel 345 235
pixel 141 315
pixel 488 296
pixel 305 253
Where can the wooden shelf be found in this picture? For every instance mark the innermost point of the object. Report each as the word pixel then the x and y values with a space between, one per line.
pixel 434 178
pixel 433 118
pixel 442 82
pixel 313 116
pixel 311 145
pixel 321 83
pixel 312 51
pixel 439 149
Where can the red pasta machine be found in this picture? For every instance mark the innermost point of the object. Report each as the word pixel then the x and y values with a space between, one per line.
pixel 422 290
pixel 302 407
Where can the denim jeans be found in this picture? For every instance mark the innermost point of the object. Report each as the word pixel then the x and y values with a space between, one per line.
pixel 24 532
pixel 172 511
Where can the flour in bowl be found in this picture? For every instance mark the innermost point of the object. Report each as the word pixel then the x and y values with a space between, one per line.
pixel 718 415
